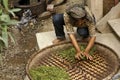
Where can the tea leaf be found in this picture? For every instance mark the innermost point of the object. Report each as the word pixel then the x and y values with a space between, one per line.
pixel 49 73
pixel 69 53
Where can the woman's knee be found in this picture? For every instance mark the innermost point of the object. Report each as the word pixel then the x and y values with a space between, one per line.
pixel 83 32
pixel 57 18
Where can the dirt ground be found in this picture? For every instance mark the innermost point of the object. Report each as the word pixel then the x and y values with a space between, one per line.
pixel 14 58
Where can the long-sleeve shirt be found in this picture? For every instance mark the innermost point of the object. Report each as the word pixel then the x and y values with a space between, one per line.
pixel 88 21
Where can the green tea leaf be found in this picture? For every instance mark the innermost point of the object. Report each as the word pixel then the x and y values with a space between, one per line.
pixel 49 73
pixel 69 53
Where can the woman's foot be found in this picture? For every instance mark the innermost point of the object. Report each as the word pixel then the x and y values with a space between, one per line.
pixel 56 41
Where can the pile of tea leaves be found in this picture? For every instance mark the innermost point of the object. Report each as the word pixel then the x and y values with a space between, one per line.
pixel 49 73
pixel 69 53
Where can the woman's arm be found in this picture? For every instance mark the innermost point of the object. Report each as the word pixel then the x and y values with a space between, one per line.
pixel 90 44
pixel 76 46
pixel 74 42
pixel 70 32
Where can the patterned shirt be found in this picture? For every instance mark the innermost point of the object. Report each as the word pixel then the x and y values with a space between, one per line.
pixel 89 21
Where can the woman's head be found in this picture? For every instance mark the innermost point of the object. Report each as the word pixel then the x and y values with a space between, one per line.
pixel 76 11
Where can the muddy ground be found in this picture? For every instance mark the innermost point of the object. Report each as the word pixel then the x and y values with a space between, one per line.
pixel 14 58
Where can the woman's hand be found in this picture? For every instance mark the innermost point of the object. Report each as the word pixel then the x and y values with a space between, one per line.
pixel 79 55
pixel 88 56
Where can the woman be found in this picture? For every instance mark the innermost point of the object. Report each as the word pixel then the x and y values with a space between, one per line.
pixel 80 17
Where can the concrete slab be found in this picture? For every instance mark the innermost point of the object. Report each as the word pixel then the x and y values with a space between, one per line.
pixel 102 25
pixel 115 25
pixel 109 40
pixel 45 39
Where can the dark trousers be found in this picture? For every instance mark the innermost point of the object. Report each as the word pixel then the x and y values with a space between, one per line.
pixel 58 22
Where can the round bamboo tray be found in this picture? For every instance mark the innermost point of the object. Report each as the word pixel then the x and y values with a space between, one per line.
pixel 103 67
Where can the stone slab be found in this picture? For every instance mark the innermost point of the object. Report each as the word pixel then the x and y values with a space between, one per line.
pixel 45 39
pixel 102 25
pixel 110 41
pixel 115 25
